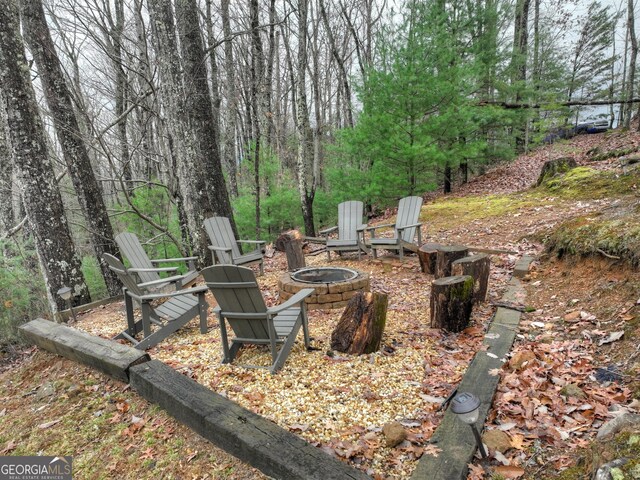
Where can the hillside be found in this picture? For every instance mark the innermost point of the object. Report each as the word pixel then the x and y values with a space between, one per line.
pixel 570 365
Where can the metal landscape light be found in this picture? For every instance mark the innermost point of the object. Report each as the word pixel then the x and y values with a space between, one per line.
pixel 466 406
pixel 65 294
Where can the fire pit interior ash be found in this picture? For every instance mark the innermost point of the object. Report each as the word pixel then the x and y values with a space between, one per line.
pixel 324 275
pixel 333 286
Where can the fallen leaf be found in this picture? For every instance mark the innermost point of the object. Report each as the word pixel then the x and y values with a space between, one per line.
pixel 613 337
pixel 49 424
pixel 10 446
pixel 509 471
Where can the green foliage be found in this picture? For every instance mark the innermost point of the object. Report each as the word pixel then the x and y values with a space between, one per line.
pixel 93 276
pixel 420 111
pixel 155 203
pixel 22 293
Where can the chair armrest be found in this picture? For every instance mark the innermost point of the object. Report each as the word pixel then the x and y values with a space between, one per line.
pixel 297 298
pixel 255 242
pixel 381 226
pixel 162 269
pixel 162 281
pixel 419 224
pixel 180 259
pixel 361 228
pixel 153 296
pixel 219 249
pixel 327 231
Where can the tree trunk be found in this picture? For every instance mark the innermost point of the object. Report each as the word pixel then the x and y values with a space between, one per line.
pixel 632 59
pixel 42 201
pixel 191 178
pixel 75 153
pixel 427 254
pixel 257 73
pixel 446 256
pixel 447 178
pixel 479 268
pixel 6 173
pixel 451 303
pixel 291 244
pixel 231 94
pixel 361 325
pixel 198 104
pixel 306 191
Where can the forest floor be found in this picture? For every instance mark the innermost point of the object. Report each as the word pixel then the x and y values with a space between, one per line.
pixel 577 309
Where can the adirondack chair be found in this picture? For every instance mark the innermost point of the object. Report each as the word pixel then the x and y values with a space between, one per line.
pixel 350 229
pixel 225 248
pixel 241 305
pixel 405 228
pixel 179 309
pixel 146 269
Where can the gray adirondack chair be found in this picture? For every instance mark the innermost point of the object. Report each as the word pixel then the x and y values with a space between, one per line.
pixel 226 249
pixel 146 269
pixel 241 305
pixel 405 228
pixel 178 310
pixel 350 230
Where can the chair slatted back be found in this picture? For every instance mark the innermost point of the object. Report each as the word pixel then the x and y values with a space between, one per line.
pixel 221 235
pixel 131 248
pixel 127 279
pixel 237 293
pixel 349 219
pixel 408 214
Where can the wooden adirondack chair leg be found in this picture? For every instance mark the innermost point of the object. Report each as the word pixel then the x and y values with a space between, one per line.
pixel 305 326
pixel 146 319
pixel 128 304
pixel 283 354
pixel 262 268
pixel 204 306
pixel 272 340
pixel 226 356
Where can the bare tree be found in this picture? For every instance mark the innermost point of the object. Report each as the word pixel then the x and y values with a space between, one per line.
pixel 42 201
pixel 73 148
pixel 6 173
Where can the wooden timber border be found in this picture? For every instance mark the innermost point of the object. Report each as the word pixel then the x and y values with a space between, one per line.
pixel 453 437
pixel 258 441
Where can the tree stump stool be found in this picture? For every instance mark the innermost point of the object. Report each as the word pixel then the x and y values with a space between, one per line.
pixel 427 254
pixel 451 302
pixel 446 256
pixel 360 327
pixel 478 266
pixel 291 244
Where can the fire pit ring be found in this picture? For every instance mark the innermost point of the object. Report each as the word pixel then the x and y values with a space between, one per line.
pixel 324 275
pixel 334 286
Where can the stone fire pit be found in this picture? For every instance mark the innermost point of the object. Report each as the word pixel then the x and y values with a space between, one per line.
pixel 333 286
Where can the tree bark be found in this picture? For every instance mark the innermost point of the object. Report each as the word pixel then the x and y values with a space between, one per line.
pixel 75 153
pixel 632 58
pixel 42 201
pixel 307 192
pixel 291 244
pixel 6 173
pixel 427 254
pixel 446 256
pixel 479 268
pixel 361 325
pixel 229 151
pixel 451 303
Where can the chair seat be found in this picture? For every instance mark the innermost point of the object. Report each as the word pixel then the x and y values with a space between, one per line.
pixel 176 307
pixel 255 256
pixel 342 243
pixel 285 321
pixel 384 241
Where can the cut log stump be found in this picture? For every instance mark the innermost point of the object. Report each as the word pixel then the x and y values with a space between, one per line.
pixel 451 302
pixel 446 256
pixel 478 266
pixel 291 244
pixel 427 254
pixel 361 325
